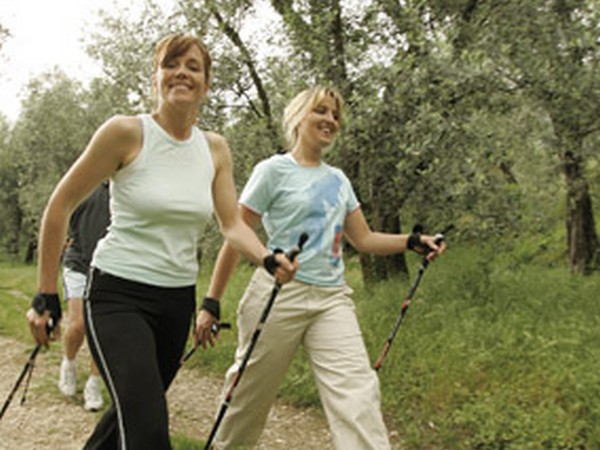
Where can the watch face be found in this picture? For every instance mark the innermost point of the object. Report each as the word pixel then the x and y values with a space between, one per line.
pixel 39 304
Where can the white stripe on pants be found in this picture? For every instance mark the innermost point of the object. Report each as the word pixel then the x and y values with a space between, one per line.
pixel 324 321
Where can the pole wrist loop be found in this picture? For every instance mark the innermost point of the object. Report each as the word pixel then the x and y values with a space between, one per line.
pixel 414 242
pixel 43 302
pixel 213 306
pixel 270 263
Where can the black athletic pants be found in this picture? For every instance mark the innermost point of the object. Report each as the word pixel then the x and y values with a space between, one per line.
pixel 137 335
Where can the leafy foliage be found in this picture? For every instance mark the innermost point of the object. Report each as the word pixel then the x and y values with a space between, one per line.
pixel 9 205
pixel 44 142
pixel 458 112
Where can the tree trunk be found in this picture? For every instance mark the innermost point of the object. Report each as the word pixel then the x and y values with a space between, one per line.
pixel 31 250
pixel 381 268
pixel 13 238
pixel 582 240
pixel 396 264
pixel 367 267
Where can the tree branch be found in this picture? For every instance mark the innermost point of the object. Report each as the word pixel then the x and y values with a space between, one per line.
pixel 248 61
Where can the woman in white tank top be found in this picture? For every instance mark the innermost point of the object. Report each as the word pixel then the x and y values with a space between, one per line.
pixel 166 179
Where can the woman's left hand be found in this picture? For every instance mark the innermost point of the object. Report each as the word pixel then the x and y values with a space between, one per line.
pixel 435 248
pixel 203 332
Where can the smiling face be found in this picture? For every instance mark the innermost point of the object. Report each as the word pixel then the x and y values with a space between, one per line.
pixel 313 118
pixel 321 123
pixel 181 72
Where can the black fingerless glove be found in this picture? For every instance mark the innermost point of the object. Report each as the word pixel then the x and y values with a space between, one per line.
pixel 47 302
pixel 270 263
pixel 414 243
pixel 213 306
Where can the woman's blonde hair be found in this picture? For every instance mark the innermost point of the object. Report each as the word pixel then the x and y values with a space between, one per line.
pixel 302 104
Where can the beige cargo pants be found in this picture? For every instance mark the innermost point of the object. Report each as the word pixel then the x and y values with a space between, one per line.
pixel 323 320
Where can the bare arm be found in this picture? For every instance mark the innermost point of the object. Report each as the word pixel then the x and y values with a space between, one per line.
pixel 225 265
pixel 360 235
pixel 112 146
pixel 237 225
pixel 237 232
pixel 228 258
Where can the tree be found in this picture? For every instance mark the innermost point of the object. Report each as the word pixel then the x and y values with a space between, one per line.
pixel 124 45
pixel 48 136
pixel 549 49
pixel 240 74
pixel 10 212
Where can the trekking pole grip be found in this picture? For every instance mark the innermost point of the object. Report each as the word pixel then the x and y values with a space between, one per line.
pixel 438 238
pixel 291 254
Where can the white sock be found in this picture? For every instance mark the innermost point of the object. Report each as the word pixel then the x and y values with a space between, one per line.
pixel 70 362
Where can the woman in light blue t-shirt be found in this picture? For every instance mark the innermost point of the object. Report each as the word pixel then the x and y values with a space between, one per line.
pixel 295 193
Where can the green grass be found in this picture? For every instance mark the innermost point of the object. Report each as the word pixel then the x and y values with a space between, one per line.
pixel 17 287
pixel 489 358
pixel 184 443
pixel 497 351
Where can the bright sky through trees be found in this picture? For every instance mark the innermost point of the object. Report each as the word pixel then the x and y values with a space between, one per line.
pixel 46 34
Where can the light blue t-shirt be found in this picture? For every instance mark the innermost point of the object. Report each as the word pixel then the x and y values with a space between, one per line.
pixel 293 199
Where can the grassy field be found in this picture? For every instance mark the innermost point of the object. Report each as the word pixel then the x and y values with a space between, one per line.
pixel 494 353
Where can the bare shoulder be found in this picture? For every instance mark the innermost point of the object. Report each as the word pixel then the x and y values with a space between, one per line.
pixel 123 127
pixel 122 135
pixel 219 149
pixel 217 142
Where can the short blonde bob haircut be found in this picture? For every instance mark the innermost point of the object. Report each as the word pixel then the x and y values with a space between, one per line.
pixel 302 104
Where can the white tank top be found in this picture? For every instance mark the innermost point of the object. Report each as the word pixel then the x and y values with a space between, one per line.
pixel 159 204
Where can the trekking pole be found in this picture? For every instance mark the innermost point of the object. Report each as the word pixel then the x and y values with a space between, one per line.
pixel 406 303
pixel 257 330
pixel 28 380
pixel 27 371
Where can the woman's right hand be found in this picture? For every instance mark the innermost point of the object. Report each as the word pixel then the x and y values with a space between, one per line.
pixel 41 327
pixel 285 269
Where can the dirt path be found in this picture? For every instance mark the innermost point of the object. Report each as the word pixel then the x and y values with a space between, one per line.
pixel 47 420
